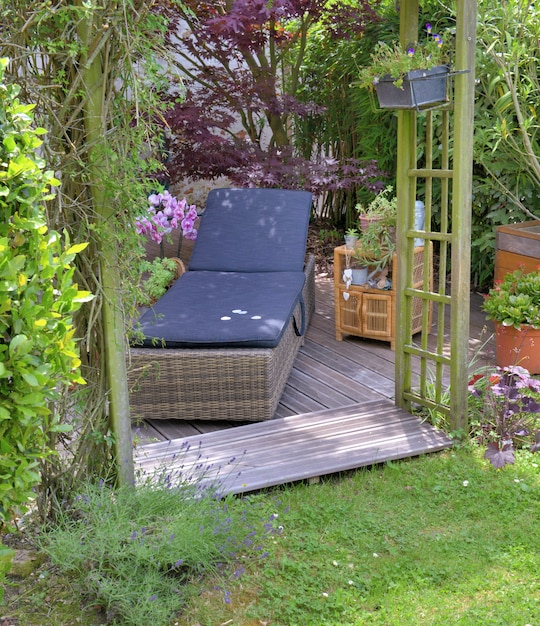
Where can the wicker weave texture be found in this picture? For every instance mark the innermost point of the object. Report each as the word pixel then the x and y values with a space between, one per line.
pixel 240 384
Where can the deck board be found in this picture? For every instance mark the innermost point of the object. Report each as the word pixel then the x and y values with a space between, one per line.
pixel 298 447
pixel 336 413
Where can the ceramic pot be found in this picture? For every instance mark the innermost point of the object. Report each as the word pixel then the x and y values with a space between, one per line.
pixel 351 241
pixel 518 347
pixel 419 218
pixel 366 220
pixel 359 276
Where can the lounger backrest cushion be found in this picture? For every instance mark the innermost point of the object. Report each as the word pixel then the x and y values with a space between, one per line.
pixel 253 230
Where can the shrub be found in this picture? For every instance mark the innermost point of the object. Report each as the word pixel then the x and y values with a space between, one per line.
pixel 140 552
pixel 38 352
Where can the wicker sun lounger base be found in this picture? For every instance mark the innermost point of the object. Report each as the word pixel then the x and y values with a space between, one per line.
pixel 236 384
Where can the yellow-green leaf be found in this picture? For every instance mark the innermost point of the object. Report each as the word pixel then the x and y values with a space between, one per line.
pixel 31 379
pixel 84 296
pixel 76 248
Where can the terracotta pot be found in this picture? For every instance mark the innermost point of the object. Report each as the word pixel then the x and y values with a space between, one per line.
pixel 518 347
pixel 180 267
pixel 366 220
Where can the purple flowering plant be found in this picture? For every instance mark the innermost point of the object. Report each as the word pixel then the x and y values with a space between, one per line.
pixel 391 59
pixel 164 214
pixel 507 401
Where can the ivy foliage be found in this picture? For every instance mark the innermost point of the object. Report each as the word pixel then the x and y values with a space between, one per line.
pixel 38 352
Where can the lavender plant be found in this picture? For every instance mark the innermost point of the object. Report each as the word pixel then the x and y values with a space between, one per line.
pixel 140 552
pixel 507 401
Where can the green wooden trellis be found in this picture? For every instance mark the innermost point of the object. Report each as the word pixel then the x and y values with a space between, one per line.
pixel 444 366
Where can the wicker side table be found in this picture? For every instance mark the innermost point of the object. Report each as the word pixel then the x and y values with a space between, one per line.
pixel 370 312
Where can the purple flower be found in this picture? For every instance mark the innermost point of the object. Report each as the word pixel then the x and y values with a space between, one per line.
pixel 428 27
pixel 164 214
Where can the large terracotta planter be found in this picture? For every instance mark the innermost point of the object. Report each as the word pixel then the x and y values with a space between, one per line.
pixel 518 347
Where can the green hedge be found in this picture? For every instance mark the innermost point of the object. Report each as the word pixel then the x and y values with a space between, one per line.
pixel 38 352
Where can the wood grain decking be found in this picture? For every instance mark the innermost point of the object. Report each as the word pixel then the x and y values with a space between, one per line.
pixel 264 454
pixel 336 414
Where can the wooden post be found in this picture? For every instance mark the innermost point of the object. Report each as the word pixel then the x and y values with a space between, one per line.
pixel 113 319
pixel 405 191
pixel 461 210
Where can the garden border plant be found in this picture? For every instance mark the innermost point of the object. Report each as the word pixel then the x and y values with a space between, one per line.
pixel 38 297
pixel 97 74
pixel 140 554
pixel 505 408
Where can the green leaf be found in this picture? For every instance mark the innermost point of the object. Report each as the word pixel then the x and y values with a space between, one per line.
pixel 9 144
pixel 19 345
pixel 61 428
pixel 31 379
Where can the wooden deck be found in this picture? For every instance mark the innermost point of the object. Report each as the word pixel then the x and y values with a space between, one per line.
pixel 264 454
pixel 336 414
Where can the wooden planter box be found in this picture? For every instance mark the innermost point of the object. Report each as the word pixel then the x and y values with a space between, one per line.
pixel 517 246
pixel 421 88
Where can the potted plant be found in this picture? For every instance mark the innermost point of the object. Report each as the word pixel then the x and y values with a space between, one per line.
pixel 351 237
pixel 383 208
pixel 164 214
pixel 354 273
pixel 158 275
pixel 410 77
pixel 514 306
pixel 378 230
pixel 376 246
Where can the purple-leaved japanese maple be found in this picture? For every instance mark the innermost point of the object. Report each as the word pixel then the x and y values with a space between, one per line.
pixel 243 66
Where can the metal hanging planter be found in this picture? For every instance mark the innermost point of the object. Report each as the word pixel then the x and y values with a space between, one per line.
pixel 420 89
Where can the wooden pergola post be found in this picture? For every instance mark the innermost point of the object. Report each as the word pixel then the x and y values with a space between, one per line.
pixel 453 238
pixel 461 210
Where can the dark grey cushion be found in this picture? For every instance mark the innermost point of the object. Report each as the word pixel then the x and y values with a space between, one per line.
pixel 252 230
pixel 223 309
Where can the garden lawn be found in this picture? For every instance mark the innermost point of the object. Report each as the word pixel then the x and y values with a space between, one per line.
pixel 443 539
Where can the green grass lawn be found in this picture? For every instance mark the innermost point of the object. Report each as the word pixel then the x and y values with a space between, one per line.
pixel 442 539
